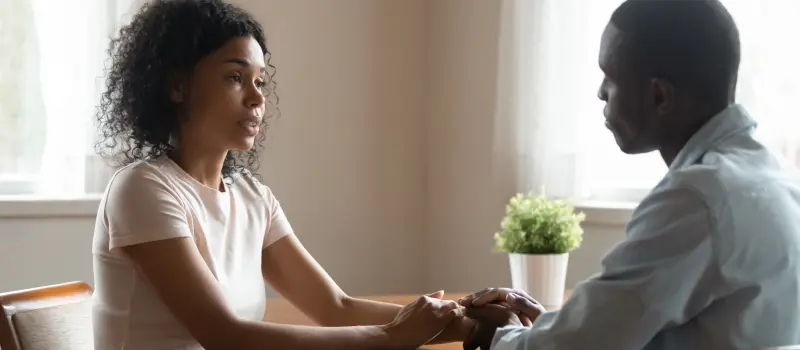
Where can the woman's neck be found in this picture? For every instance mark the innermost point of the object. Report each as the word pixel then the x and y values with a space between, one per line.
pixel 205 167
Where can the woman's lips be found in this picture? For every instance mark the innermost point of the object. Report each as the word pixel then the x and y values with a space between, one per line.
pixel 251 126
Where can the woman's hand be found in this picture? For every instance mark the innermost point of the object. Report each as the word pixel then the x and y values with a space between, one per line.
pixel 421 321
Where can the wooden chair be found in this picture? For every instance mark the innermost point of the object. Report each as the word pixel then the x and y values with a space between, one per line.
pixel 52 317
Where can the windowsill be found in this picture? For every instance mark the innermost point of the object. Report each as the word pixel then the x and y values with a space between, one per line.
pixel 610 213
pixel 16 207
pixel 26 207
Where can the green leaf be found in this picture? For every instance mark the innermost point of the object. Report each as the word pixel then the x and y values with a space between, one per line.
pixel 535 224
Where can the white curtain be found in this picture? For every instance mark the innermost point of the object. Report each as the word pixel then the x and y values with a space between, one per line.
pixel 769 76
pixel 72 55
pixel 70 62
pixel 547 88
pixel 21 107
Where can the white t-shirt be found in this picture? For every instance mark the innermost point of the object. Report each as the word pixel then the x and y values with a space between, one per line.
pixel 154 200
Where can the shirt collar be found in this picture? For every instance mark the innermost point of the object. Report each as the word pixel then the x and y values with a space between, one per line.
pixel 731 121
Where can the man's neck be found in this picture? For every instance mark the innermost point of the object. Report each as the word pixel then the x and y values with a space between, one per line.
pixel 669 153
pixel 678 139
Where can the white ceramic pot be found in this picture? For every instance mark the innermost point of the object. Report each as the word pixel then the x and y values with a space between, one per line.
pixel 541 276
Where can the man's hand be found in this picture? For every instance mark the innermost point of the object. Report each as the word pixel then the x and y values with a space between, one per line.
pixel 488 317
pixel 456 331
pixel 518 301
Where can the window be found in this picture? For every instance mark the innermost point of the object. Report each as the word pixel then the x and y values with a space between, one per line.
pixel 769 86
pixel 50 87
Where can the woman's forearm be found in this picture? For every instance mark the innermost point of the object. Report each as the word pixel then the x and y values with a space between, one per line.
pixel 355 311
pixel 260 336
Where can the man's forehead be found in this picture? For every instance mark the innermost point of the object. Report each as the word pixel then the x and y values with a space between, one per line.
pixel 610 43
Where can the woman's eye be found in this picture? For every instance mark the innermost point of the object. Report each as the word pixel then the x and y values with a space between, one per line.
pixel 235 78
pixel 261 84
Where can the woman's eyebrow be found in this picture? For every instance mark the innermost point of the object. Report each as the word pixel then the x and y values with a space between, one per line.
pixel 243 62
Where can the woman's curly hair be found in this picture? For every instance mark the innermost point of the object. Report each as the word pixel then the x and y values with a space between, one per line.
pixel 165 39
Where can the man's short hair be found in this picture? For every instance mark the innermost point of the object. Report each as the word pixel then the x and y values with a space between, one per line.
pixel 694 44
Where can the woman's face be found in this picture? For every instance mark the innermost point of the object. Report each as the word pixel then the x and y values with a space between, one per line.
pixel 223 100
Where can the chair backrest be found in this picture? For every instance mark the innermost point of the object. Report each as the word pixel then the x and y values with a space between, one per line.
pixel 52 317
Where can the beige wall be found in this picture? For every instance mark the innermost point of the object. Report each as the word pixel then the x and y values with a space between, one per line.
pixel 461 65
pixel 42 251
pixel 346 157
pixel 381 158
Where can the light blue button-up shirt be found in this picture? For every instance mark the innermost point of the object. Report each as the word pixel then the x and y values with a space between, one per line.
pixel 711 259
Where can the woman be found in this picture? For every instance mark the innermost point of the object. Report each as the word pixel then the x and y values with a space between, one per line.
pixel 185 235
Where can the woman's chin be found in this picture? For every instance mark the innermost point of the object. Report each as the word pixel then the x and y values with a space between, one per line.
pixel 243 145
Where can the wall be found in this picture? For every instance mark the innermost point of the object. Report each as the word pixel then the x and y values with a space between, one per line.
pixel 461 64
pixel 346 158
pixel 380 159
pixel 42 251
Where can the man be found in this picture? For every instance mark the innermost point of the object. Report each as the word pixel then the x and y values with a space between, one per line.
pixel 712 255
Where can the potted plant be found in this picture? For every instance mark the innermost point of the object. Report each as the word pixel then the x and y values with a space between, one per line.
pixel 538 234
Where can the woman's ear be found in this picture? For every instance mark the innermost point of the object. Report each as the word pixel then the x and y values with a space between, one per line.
pixel 663 94
pixel 177 88
pixel 177 95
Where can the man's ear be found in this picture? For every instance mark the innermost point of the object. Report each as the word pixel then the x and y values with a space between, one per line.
pixel 662 93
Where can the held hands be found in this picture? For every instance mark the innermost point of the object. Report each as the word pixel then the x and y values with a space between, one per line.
pixel 493 308
pixel 489 318
pixel 517 301
pixel 430 318
pixel 421 321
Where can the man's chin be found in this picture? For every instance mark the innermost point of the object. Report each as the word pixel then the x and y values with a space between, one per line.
pixel 625 145
pixel 627 149
pixel 631 148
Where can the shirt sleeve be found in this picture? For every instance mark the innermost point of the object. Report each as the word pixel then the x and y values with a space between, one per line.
pixel 277 224
pixel 141 207
pixel 663 273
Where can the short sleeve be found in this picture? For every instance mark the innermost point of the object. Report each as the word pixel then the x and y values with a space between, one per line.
pixel 140 207
pixel 277 224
